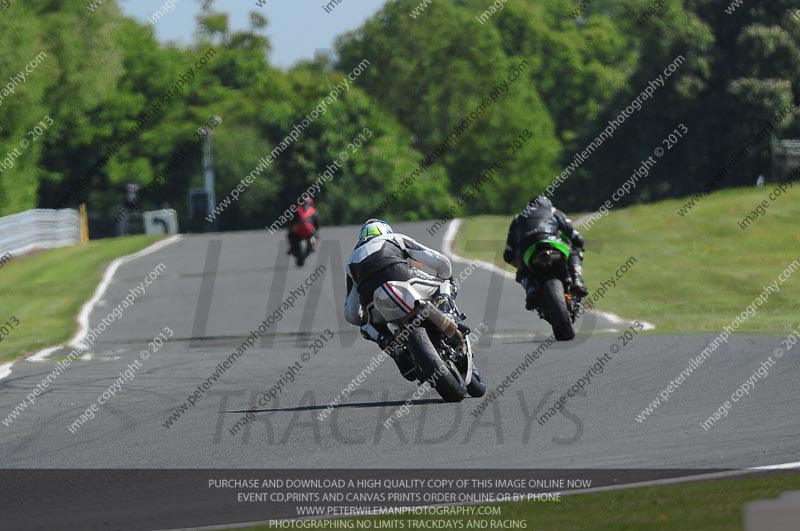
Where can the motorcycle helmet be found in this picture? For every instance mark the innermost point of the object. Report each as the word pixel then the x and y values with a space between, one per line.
pixel 372 228
pixel 540 201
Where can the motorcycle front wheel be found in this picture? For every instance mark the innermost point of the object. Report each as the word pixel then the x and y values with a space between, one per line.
pixel 477 386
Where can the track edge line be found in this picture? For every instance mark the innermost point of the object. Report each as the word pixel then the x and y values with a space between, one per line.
pixel 88 306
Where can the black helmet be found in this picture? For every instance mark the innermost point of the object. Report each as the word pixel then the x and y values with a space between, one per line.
pixel 540 201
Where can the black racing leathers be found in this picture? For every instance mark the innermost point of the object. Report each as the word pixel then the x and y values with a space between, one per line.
pixel 534 225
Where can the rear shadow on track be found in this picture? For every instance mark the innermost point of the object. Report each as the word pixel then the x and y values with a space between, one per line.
pixel 355 405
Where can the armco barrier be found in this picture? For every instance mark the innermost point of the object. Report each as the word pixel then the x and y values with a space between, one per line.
pixel 39 229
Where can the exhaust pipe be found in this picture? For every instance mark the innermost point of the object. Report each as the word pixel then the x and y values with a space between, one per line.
pixel 442 322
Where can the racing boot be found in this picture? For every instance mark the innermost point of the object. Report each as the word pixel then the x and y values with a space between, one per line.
pixel 378 334
pixel 404 363
pixel 381 335
pixel 530 293
pixel 577 282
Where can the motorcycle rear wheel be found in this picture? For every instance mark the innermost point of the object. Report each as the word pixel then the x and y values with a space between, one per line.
pixel 303 250
pixel 556 312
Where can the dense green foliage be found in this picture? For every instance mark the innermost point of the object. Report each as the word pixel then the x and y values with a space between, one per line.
pixel 531 66
pixel 740 72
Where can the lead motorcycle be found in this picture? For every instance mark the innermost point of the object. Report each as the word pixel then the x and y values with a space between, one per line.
pixel 556 301
pixel 302 248
pixel 434 337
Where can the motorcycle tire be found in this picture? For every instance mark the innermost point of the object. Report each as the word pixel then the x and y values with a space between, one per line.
pixel 556 312
pixel 476 386
pixel 433 369
pixel 302 253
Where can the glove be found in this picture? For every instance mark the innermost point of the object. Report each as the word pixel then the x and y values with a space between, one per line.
pixel 454 286
pixel 508 256
pixel 578 241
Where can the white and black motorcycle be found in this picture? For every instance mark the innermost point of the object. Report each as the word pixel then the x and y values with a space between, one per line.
pixel 434 336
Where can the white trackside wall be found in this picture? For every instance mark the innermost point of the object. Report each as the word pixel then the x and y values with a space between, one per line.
pixel 39 229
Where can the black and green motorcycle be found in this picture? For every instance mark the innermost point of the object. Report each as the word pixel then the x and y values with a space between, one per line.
pixel 556 301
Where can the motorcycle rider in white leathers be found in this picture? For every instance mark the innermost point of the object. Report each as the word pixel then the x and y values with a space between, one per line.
pixel 380 256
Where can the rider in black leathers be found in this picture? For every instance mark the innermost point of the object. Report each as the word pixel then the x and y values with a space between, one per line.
pixel 539 220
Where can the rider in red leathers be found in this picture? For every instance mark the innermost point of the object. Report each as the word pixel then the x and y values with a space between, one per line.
pixel 303 226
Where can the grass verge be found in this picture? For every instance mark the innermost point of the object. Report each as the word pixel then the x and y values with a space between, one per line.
pixel 706 505
pixel 693 273
pixel 44 291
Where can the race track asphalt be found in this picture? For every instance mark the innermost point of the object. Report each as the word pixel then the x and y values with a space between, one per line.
pixel 217 287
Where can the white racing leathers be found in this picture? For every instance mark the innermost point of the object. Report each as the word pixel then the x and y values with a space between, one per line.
pixel 381 284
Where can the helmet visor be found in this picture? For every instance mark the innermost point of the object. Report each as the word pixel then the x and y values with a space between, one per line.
pixel 368 231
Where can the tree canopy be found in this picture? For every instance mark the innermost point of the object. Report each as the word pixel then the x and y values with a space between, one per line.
pixel 439 98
